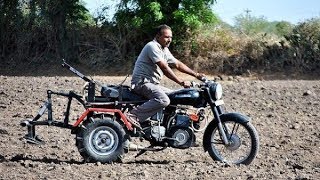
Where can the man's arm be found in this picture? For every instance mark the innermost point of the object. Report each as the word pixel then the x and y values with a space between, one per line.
pixel 167 71
pixel 185 69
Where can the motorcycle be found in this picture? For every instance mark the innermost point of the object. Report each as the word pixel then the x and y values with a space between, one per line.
pixel 103 131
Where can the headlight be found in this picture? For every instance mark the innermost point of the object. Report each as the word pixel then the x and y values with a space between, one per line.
pixel 215 91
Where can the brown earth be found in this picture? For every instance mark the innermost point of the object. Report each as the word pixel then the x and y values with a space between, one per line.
pixel 285 113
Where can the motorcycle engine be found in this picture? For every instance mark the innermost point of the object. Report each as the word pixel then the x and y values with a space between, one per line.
pixel 158 132
pixel 182 120
pixel 178 132
pixel 182 136
pixel 154 132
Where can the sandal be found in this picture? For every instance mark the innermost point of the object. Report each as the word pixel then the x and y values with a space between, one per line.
pixel 133 120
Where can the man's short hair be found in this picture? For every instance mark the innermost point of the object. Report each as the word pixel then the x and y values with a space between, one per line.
pixel 160 29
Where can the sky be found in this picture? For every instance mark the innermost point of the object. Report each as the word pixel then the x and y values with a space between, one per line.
pixel 293 11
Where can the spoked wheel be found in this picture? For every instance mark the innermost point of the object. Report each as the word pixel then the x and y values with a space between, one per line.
pixel 243 143
pixel 101 141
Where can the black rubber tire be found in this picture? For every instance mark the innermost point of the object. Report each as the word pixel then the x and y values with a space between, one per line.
pixel 253 137
pixel 101 141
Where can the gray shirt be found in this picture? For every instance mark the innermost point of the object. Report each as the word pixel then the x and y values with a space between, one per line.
pixel 145 68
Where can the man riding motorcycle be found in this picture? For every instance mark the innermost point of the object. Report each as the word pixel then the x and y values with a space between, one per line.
pixel 154 61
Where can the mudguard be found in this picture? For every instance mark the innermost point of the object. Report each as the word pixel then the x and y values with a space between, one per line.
pixel 237 117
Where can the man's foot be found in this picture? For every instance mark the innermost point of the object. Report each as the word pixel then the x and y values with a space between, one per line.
pixel 133 120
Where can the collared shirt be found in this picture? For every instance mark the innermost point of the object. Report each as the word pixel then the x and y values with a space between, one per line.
pixel 145 68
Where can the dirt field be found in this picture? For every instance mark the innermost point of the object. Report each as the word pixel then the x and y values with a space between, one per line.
pixel 286 114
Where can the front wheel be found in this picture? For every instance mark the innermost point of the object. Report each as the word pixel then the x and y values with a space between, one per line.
pixel 101 141
pixel 243 142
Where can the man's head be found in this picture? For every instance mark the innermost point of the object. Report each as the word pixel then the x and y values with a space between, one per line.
pixel 164 35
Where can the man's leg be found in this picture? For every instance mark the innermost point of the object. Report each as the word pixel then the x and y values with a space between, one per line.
pixel 157 100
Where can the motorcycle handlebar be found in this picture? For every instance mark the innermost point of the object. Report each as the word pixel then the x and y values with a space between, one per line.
pixel 198 84
pixel 204 79
pixel 204 82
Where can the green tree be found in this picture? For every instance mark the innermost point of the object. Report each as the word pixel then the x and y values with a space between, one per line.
pixel 283 28
pixel 38 28
pixel 250 25
pixel 10 21
pixel 185 16
pixel 61 15
pixel 135 21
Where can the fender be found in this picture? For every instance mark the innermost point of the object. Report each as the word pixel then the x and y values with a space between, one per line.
pixel 123 117
pixel 237 117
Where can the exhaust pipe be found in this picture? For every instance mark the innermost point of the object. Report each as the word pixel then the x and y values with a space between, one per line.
pixel 132 147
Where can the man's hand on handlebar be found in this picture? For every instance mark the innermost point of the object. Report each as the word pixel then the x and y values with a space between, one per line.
pixel 186 84
pixel 201 76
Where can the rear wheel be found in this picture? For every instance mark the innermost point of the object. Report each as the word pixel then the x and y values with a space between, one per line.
pixel 243 142
pixel 101 141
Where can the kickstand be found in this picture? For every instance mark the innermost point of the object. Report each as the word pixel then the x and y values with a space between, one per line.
pixel 141 152
pixel 150 148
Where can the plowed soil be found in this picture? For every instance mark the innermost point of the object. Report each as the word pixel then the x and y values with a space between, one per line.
pixel 286 114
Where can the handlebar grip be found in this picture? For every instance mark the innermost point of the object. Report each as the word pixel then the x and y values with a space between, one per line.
pixel 204 79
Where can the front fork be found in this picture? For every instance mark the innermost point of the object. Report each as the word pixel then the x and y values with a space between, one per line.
pixel 217 111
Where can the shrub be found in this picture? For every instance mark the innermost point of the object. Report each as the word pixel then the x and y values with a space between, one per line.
pixel 222 50
pixel 305 44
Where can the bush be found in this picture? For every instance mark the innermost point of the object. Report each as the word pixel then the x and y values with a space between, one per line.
pixel 222 50
pixel 305 44
pixel 211 48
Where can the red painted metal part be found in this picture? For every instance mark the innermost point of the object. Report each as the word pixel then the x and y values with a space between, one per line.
pixel 123 117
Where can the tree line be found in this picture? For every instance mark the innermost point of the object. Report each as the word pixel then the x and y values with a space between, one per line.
pixel 44 31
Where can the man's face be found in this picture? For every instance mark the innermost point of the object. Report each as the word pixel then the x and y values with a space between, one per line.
pixel 165 38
